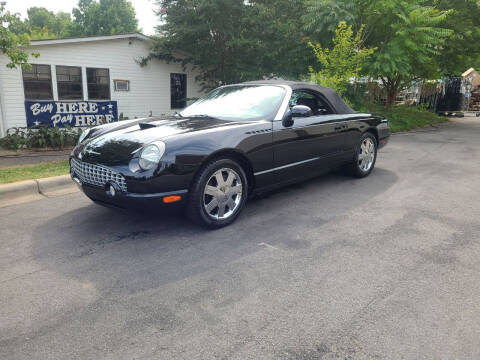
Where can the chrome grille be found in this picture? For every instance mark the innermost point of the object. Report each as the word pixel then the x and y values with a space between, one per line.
pixel 97 175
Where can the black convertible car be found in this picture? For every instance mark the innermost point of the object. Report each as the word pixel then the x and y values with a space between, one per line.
pixel 233 142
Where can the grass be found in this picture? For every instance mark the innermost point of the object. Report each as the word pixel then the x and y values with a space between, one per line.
pixel 28 172
pixel 404 118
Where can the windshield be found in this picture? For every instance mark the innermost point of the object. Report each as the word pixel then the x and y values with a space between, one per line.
pixel 238 102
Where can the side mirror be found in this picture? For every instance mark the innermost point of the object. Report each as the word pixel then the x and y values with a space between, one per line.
pixel 287 119
pixel 301 111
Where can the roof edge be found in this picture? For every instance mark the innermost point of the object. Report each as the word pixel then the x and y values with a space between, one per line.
pixel 90 39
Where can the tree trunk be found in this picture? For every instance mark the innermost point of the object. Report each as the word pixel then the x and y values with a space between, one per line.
pixel 392 85
pixel 391 97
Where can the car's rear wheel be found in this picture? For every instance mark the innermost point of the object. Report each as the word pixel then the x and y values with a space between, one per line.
pixel 218 193
pixel 365 156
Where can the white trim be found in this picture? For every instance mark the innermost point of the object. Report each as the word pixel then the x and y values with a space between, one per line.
pixel 286 101
pixel 89 39
pixel 286 166
pixel 2 131
pixel 53 75
pixel 84 83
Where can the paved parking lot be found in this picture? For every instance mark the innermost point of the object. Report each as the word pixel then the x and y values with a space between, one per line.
pixel 335 268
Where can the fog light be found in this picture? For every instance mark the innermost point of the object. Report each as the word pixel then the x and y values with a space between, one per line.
pixel 112 189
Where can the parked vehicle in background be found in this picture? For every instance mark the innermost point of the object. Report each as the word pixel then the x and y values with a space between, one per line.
pixel 235 141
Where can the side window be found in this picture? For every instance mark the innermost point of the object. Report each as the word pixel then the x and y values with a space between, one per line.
pixel 178 91
pixel 314 102
pixel 37 82
pixel 69 83
pixel 323 108
pixel 98 83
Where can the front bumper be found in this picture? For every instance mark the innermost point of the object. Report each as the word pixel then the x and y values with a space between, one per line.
pixel 383 133
pixel 383 142
pixel 127 200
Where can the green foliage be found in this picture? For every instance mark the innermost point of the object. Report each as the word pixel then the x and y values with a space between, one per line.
pixel 105 17
pixel 322 17
pixel 40 137
pixel 234 40
pixel 44 24
pixel 344 62
pixel 403 117
pixel 11 44
pixel 90 18
pixel 122 117
pixel 461 51
pixel 413 37
pixel 410 36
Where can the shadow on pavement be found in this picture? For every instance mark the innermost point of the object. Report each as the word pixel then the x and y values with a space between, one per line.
pixel 123 251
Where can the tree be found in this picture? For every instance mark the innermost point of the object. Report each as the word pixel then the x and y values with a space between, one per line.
pixel 233 40
pixel 105 17
pixel 410 36
pixel 11 44
pixel 343 62
pixel 281 39
pixel 461 51
pixel 44 23
pixel 322 17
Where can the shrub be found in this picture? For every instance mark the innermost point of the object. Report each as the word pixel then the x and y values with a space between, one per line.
pixel 40 137
pixel 344 62
pixel 403 117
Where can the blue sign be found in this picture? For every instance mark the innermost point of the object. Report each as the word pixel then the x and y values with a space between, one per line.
pixel 72 113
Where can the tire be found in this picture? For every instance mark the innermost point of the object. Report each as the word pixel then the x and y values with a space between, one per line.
pixel 362 165
pixel 218 193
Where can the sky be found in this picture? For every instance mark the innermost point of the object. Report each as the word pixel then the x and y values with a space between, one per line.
pixel 147 20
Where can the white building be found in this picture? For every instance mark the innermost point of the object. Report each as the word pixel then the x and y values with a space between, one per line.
pixel 84 81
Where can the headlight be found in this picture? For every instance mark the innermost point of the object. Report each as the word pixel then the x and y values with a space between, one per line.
pixel 151 155
pixel 84 135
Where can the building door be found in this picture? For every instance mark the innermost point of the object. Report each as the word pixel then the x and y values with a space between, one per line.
pixel 178 91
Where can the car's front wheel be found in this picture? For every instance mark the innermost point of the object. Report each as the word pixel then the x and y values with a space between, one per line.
pixel 218 193
pixel 365 156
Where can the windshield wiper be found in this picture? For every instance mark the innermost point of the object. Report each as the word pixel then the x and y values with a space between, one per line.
pixel 146 125
pixel 202 116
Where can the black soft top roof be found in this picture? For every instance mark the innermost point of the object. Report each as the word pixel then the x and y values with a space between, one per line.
pixel 331 95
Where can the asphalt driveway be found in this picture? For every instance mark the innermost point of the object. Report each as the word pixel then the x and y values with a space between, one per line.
pixel 335 268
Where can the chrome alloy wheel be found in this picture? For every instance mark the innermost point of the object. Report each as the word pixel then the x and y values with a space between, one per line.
pixel 366 156
pixel 222 194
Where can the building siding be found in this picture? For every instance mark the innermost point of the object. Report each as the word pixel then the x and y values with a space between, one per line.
pixel 149 85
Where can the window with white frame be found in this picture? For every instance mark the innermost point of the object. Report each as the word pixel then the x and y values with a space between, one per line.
pixel 37 82
pixel 98 83
pixel 69 83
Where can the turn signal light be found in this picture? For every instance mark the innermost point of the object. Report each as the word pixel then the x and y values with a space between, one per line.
pixel 171 199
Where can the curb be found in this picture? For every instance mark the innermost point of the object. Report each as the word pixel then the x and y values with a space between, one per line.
pixel 31 190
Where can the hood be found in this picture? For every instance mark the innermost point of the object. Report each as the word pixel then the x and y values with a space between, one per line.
pixel 115 143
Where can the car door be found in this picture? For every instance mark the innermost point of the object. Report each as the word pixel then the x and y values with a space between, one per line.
pixel 312 143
